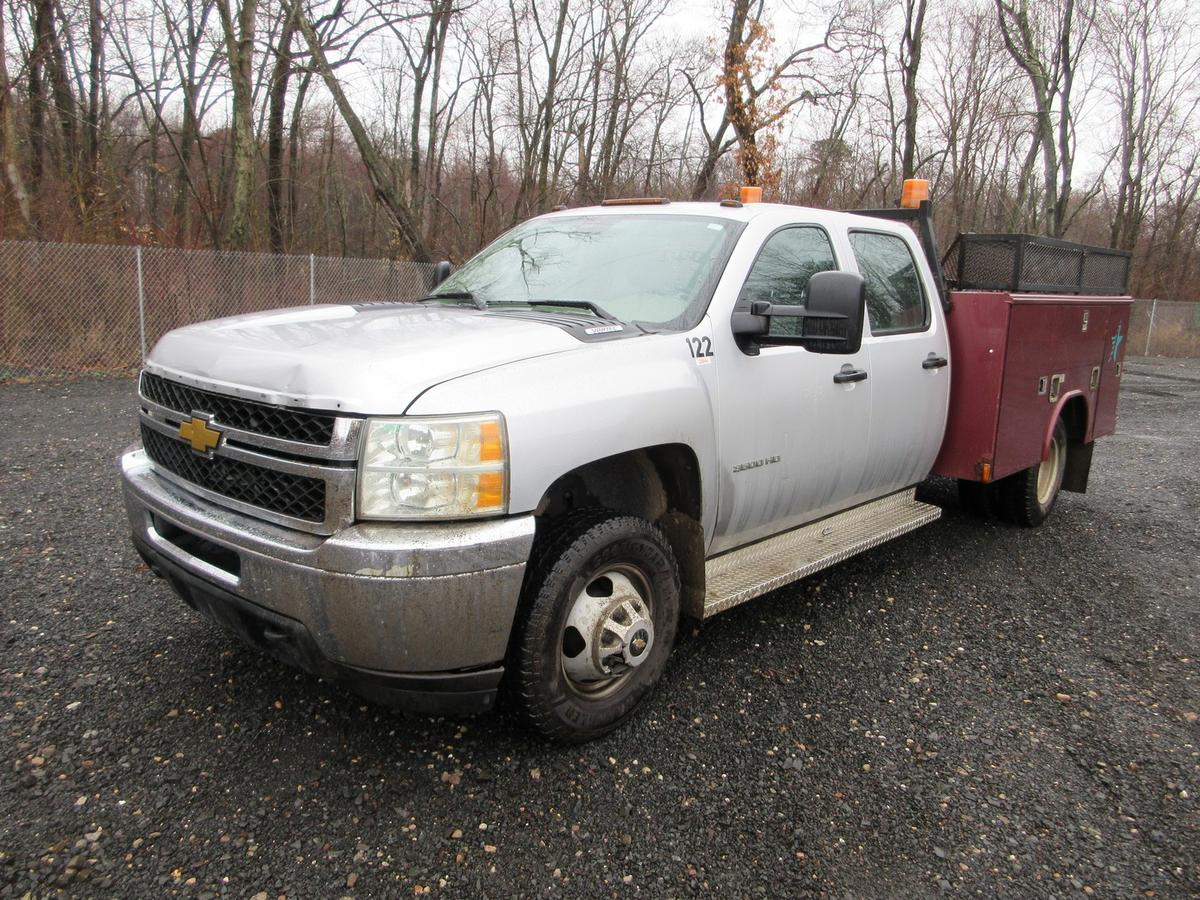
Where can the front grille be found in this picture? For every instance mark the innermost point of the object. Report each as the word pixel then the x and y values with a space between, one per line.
pixel 247 415
pixel 297 496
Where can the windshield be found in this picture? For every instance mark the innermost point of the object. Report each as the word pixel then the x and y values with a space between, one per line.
pixel 656 270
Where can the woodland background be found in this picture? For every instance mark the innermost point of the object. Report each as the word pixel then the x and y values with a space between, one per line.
pixel 420 129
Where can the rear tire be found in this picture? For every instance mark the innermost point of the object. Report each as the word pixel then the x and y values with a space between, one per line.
pixel 1027 497
pixel 598 619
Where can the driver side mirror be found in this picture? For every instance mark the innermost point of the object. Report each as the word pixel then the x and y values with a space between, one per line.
pixel 830 322
pixel 840 300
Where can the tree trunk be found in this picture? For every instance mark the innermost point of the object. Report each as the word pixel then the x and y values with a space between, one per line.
pixel 239 49
pixel 734 75
pixel 280 74
pixel 37 107
pixel 9 142
pixel 548 105
pixel 914 29
pixel 293 166
pixel 189 128
pixel 90 163
pixel 60 85
pixel 1066 155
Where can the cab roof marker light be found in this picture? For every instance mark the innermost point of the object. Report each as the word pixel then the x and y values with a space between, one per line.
pixel 635 201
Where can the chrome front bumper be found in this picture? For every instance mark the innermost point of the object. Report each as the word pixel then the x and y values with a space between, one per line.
pixel 428 601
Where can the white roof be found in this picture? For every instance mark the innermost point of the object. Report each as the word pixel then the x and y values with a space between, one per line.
pixel 778 212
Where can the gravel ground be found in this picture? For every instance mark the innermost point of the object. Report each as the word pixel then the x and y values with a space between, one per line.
pixel 973 708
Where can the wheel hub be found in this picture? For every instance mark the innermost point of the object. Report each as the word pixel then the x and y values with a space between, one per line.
pixel 609 631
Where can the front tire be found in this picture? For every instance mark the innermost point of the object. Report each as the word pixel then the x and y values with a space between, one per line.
pixel 1028 496
pixel 599 616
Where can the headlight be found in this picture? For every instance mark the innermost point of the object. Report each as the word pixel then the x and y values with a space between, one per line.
pixel 433 468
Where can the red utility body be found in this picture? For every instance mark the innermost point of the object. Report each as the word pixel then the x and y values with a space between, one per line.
pixel 1018 362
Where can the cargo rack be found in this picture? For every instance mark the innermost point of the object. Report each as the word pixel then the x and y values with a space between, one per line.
pixel 1031 264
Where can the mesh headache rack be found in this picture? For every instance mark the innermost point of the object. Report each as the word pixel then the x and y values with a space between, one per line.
pixel 1030 264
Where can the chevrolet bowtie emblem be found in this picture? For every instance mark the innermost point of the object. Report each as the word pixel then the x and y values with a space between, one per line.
pixel 203 438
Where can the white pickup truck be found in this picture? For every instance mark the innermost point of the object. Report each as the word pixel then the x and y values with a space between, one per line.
pixel 609 418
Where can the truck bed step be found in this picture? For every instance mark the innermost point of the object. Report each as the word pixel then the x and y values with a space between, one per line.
pixel 761 567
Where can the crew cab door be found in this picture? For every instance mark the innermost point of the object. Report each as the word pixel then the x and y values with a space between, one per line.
pixel 909 354
pixel 793 442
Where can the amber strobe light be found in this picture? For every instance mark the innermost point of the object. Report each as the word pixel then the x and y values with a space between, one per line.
pixel 751 194
pixel 915 190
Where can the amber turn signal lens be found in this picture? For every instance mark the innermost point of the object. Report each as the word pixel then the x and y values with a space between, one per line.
pixel 491 442
pixel 490 492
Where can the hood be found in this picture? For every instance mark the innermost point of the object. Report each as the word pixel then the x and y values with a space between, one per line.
pixel 365 359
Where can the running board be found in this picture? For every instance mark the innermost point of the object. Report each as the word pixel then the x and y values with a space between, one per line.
pixel 756 569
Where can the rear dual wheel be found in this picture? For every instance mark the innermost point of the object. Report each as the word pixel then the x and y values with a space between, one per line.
pixel 1026 497
pixel 598 620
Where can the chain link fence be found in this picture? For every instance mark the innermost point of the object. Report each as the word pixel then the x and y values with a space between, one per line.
pixel 70 309
pixel 1164 328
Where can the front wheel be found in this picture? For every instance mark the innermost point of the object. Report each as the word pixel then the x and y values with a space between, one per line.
pixel 1028 496
pixel 598 620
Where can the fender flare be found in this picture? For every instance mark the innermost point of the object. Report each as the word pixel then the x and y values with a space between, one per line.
pixel 1061 405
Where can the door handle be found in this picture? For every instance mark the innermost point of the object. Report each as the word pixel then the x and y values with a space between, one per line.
pixel 848 375
pixel 935 362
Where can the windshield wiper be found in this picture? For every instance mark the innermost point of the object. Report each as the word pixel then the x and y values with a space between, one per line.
pixel 591 307
pixel 479 302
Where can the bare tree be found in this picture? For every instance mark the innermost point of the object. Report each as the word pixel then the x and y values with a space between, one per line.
pixel 752 87
pixel 551 41
pixel 1047 50
pixel 1152 63
pixel 384 188
pixel 116 124
pixel 972 106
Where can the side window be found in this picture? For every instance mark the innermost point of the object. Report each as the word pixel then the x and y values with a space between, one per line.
pixel 780 274
pixel 895 298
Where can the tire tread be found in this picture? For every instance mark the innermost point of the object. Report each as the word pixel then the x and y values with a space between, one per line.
pixel 553 554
